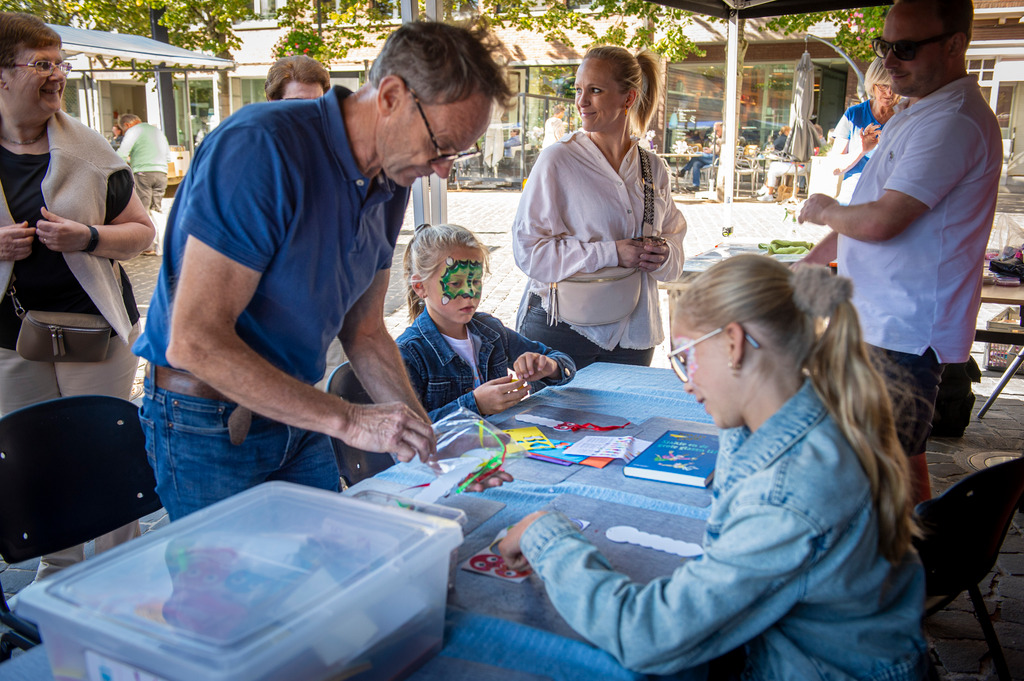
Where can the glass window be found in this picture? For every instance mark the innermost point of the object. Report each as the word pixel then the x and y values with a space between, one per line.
pixel 695 100
pixel 252 90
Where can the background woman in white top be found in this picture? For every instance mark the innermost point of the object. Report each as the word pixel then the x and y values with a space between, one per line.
pixel 584 203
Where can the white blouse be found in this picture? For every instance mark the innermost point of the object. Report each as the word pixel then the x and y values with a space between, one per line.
pixel 573 209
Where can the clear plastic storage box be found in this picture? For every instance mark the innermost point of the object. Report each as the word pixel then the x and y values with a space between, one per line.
pixel 281 582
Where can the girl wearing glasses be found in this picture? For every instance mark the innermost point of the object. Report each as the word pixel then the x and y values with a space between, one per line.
pixel 69 214
pixel 808 570
pixel 857 131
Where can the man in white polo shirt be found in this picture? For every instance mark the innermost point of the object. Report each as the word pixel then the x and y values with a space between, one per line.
pixel 913 237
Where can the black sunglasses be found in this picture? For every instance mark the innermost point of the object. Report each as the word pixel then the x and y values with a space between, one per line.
pixel 904 50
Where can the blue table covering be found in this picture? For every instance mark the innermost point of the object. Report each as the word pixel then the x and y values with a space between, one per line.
pixel 510 631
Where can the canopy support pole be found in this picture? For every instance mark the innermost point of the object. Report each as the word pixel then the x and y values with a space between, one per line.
pixel 727 164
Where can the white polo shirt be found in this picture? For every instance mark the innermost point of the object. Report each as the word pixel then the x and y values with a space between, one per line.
pixel 922 288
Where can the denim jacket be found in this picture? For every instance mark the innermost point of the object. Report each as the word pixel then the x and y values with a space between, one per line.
pixel 791 569
pixel 443 380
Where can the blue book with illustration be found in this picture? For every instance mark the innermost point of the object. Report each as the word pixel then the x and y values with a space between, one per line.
pixel 681 457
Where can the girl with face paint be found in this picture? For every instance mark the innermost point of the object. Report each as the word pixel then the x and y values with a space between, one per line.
pixel 455 355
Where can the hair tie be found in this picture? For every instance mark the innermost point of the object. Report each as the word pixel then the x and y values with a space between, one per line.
pixel 817 292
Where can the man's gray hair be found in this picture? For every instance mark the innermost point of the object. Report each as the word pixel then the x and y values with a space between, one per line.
pixel 128 119
pixel 443 63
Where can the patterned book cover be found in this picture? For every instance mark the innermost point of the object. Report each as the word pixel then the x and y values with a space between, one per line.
pixel 677 456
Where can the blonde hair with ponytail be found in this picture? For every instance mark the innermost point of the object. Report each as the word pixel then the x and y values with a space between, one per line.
pixel 427 251
pixel 642 73
pixel 805 316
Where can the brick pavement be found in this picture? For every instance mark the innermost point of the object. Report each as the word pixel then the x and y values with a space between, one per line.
pixel 957 644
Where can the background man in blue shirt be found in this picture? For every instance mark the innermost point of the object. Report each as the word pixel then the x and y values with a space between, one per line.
pixel 280 239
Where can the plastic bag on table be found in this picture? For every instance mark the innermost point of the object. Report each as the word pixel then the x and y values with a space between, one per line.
pixel 469 448
pixel 1007 235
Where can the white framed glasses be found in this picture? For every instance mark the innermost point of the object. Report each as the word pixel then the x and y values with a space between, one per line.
pixel 45 67
pixel 679 357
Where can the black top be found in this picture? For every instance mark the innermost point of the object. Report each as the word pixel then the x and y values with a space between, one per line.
pixel 780 142
pixel 43 279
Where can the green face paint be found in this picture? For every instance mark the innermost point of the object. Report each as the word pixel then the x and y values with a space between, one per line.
pixel 461 278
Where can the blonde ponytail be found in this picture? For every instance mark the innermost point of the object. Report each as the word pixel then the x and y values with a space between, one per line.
pixel 805 315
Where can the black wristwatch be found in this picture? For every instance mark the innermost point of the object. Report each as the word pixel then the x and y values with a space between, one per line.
pixel 94 240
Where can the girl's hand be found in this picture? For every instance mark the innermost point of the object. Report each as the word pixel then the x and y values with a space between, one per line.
pixel 60 234
pixel 509 546
pixel 533 366
pixel 498 395
pixel 16 241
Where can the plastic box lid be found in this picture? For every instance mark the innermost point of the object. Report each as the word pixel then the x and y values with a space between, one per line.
pixel 249 575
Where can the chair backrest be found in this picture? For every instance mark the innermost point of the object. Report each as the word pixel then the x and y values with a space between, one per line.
pixel 71 469
pixel 965 527
pixel 354 464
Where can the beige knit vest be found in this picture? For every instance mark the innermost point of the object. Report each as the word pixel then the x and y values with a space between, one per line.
pixel 75 187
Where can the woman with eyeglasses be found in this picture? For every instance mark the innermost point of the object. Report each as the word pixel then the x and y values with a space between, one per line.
pixel 857 132
pixel 587 212
pixel 69 214
pixel 808 571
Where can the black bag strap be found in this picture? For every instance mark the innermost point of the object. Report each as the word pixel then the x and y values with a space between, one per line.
pixel 648 182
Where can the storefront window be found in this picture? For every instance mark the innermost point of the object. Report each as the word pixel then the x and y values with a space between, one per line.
pixel 252 90
pixel 696 99
pixel 195 112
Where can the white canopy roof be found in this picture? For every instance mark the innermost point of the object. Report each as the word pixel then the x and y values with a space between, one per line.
pixel 135 47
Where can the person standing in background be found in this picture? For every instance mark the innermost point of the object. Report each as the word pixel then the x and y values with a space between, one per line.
pixel 145 148
pixel 927 196
pixel 554 127
pixel 296 77
pixel 68 214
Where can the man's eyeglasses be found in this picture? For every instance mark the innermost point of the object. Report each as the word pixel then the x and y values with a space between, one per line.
pixel 904 50
pixel 679 357
pixel 440 158
pixel 46 68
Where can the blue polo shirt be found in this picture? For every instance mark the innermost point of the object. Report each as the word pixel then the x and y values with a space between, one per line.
pixel 275 188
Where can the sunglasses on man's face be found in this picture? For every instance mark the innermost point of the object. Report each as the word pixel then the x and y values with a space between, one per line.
pixel 904 50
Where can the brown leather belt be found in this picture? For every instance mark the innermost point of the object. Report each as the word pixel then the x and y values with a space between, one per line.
pixel 185 383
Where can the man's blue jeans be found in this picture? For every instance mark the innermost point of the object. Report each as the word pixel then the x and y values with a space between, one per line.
pixel 196 465
pixel 696 164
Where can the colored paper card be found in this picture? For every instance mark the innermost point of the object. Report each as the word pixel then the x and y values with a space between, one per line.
pixel 596 461
pixel 623 447
pixel 530 438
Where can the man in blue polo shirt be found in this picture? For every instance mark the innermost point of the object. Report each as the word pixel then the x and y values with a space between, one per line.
pixel 281 238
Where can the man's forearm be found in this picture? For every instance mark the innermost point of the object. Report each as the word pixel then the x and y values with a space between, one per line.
pixel 825 252
pixel 380 368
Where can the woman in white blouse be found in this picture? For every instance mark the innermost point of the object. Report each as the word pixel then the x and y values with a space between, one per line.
pixel 584 204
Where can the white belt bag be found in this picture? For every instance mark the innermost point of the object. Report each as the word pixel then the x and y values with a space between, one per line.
pixel 606 296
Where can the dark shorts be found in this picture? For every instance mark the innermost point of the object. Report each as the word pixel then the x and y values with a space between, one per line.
pixel 563 338
pixel 913 383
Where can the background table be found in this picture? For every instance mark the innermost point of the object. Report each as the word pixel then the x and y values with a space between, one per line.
pixel 510 632
pixel 1005 295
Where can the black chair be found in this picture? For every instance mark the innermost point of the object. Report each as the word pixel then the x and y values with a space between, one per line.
pixel 964 530
pixel 71 470
pixel 354 464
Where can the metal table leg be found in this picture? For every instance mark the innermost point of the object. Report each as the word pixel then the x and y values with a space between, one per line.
pixel 1007 375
